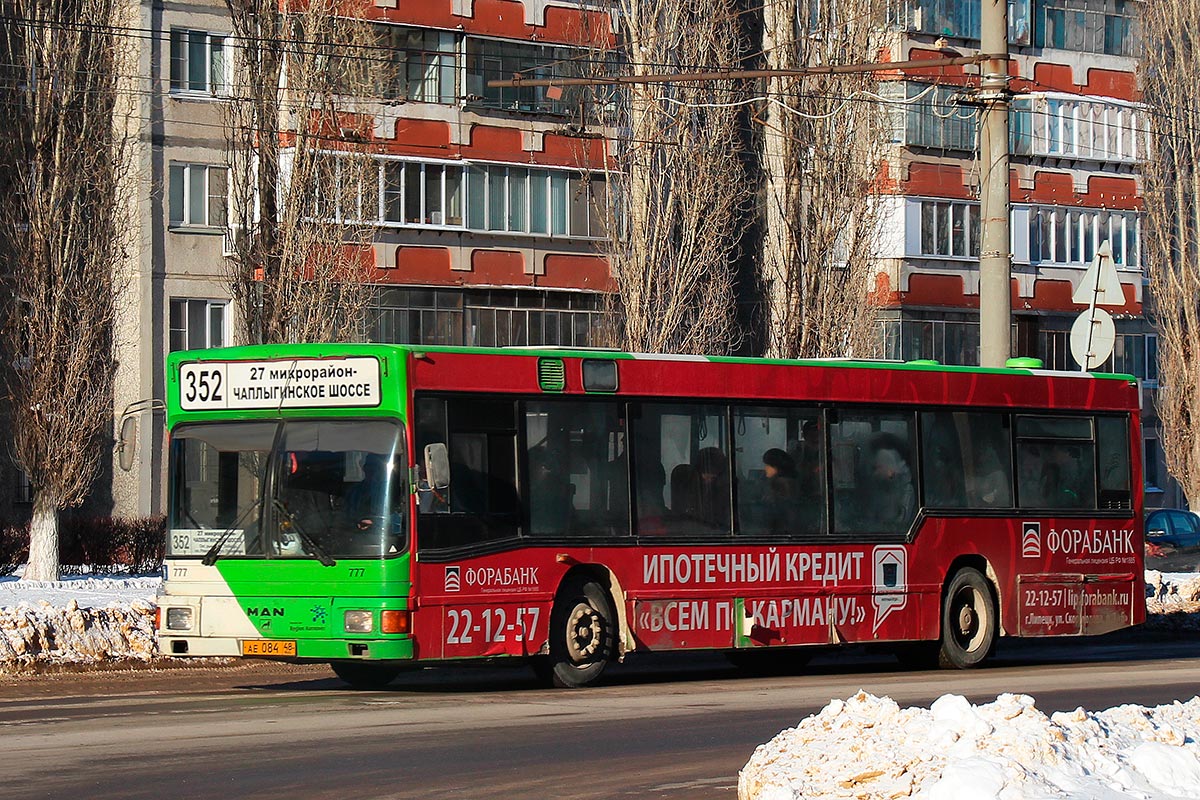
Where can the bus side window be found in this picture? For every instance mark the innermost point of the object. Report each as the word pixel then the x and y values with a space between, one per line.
pixel 681 469
pixel 967 459
pixel 576 463
pixel 873 475
pixel 1112 440
pixel 780 471
pixel 1056 462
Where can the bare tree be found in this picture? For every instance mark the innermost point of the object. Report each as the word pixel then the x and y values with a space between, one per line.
pixel 1171 176
pixel 304 181
pixel 65 217
pixel 677 191
pixel 823 145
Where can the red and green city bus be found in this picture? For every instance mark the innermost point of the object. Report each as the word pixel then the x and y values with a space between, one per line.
pixel 378 507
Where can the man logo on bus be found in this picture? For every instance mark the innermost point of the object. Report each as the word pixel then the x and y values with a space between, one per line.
pixel 1031 540
pixel 453 581
pixel 890 577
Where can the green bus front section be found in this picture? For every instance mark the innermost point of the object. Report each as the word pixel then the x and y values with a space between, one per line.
pixel 306 602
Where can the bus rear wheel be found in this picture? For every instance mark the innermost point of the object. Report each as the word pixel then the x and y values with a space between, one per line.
pixel 968 621
pixel 365 676
pixel 582 634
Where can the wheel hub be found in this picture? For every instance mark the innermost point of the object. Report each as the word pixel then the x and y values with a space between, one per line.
pixel 583 633
pixel 966 620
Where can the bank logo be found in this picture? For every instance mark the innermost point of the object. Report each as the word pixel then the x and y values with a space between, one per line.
pixel 1031 540
pixel 889 575
pixel 453 579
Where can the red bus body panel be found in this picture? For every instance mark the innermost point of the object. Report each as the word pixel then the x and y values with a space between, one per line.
pixel 1053 576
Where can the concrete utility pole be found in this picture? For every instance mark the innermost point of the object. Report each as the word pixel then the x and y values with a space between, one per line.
pixel 995 257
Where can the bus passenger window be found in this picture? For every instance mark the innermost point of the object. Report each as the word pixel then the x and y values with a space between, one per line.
pixel 1056 462
pixel 681 469
pixel 967 458
pixel 1113 442
pixel 578 476
pixel 780 471
pixel 873 480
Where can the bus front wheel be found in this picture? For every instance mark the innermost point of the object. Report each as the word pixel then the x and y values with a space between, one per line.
pixel 365 676
pixel 968 621
pixel 582 634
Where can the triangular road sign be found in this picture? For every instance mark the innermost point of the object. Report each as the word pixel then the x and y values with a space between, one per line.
pixel 1100 281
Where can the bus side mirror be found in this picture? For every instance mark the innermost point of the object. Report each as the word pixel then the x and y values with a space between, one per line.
pixel 127 443
pixel 437 465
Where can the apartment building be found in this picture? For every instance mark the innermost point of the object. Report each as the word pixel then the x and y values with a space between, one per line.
pixel 1077 132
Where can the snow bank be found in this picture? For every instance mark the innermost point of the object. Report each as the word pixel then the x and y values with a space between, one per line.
pixel 43 633
pixel 869 748
pixel 83 619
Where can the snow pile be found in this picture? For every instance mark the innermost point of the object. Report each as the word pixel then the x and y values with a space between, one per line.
pixel 1172 601
pixel 82 619
pixel 44 633
pixel 869 748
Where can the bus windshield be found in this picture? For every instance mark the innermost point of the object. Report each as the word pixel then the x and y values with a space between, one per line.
pixel 322 489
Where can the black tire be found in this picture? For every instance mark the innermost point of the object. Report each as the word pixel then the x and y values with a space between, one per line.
pixel 582 634
pixel 968 621
pixel 362 675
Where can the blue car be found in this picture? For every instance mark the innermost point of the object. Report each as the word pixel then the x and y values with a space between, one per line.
pixel 1178 529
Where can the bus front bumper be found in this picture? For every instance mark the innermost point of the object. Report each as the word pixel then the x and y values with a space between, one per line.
pixel 389 649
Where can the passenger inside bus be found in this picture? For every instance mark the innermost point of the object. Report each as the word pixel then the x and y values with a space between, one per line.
pixel 685 491
pixel 893 500
pixel 782 495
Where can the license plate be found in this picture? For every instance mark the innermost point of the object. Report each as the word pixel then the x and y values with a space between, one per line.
pixel 268 647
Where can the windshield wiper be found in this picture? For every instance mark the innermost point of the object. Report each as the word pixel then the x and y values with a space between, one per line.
pixel 308 541
pixel 214 552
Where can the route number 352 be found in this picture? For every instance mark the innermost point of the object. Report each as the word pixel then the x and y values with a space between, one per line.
pixel 202 384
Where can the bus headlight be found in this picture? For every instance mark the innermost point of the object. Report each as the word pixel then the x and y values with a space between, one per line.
pixel 359 622
pixel 179 619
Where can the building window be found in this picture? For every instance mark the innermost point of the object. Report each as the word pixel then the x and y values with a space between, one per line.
pixel 503 318
pixel 199 62
pixel 490 59
pixel 486 318
pixel 537 201
pixel 957 18
pixel 1067 126
pixel 1054 348
pixel 1150 463
pixel 1152 358
pixel 931 119
pixel 199 196
pixel 422 194
pixel 1089 26
pixel 23 491
pixel 418 316
pixel 949 228
pixel 1070 236
pixel 425 65
pixel 953 342
pixel 197 324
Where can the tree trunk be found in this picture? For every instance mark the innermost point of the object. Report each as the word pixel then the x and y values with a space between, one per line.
pixel 43 541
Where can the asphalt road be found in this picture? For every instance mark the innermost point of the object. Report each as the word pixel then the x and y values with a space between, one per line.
pixel 674 726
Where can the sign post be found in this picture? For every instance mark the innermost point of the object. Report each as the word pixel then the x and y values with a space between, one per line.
pixel 1094 334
